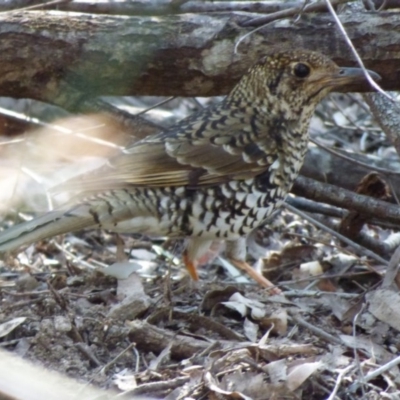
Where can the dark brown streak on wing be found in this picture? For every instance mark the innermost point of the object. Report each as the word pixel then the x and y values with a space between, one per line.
pixel 194 175
pixel 172 162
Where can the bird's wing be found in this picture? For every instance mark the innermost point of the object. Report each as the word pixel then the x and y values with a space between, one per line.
pixel 183 158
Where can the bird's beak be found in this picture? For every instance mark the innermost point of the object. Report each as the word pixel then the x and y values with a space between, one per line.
pixel 346 76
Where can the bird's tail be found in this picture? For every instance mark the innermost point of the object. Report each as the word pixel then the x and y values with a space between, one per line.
pixel 51 224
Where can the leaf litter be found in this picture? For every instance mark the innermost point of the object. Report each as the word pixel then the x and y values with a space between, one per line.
pixel 120 313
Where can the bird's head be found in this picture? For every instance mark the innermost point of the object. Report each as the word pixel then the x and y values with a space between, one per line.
pixel 296 80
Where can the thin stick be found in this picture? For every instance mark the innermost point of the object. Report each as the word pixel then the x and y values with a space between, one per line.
pixel 355 246
pixel 317 331
pixel 354 161
pixel 38 6
pixel 354 51
pixel 376 373
pixel 319 6
pixel 339 380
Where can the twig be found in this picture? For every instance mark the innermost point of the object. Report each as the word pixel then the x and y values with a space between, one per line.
pixel 38 6
pixel 315 7
pixel 317 331
pixel 154 339
pixel 392 269
pixel 314 207
pixel 118 356
pixel 319 240
pixel 339 380
pixel 354 51
pixel 316 293
pixel 355 352
pixel 159 104
pixel 379 247
pixel 240 40
pixel 153 387
pixel 375 374
pixel 322 276
pixel 341 197
pixel 354 161
pixel 355 246
pixel 88 353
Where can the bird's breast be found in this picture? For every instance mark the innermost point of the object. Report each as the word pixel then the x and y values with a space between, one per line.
pixel 232 210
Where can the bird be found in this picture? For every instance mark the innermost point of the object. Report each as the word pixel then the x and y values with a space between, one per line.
pixel 214 176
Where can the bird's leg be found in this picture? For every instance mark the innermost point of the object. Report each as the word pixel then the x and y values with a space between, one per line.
pixel 191 266
pixel 236 253
pixel 200 251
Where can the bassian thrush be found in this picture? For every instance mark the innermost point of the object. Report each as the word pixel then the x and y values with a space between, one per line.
pixel 214 176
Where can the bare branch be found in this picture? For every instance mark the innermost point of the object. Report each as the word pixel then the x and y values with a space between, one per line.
pixel 337 197
pixel 360 249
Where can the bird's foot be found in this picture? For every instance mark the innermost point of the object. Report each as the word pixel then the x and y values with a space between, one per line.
pixel 261 280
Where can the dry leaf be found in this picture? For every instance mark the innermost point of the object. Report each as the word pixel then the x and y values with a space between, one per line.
pixel 250 330
pixel 299 374
pixel 9 326
pixel 278 319
pixel 243 305
pixel 277 371
pixel 371 348
pixel 134 300
pixel 125 380
pixel 121 270
pixel 384 305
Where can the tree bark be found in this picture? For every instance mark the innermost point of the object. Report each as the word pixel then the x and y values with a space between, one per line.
pixel 387 115
pixel 65 58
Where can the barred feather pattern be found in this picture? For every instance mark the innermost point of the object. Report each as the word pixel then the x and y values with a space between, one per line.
pixel 217 174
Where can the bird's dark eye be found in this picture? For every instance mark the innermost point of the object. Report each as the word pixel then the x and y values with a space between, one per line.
pixel 301 70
